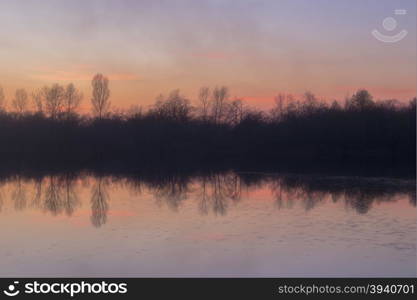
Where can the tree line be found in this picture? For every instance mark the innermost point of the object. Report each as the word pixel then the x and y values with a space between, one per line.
pixel 214 129
pixel 57 101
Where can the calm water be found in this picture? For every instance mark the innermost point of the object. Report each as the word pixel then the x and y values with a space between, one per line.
pixel 216 225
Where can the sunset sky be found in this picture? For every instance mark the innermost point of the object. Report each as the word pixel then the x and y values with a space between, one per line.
pixel 256 48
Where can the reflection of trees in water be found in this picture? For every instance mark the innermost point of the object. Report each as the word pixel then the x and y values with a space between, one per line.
pixel 52 197
pixel 19 194
pixel 1 195
pixel 289 190
pixel 37 194
pixel 54 194
pixel 60 194
pixel 361 196
pixel 99 202
pixel 361 200
pixel 219 195
pixel 215 192
pixel 358 194
pixel 70 194
pixel 135 187
pixel 412 198
pixel 171 190
pixel 282 197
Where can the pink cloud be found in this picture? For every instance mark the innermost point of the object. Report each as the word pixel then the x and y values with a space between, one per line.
pixel 78 73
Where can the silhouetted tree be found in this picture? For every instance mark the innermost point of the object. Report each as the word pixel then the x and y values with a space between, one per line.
pixel 72 99
pixel 412 104
pixel 20 101
pixel 335 106
pixel 175 107
pixel 278 111
pixel 53 98
pixel 204 99
pixel 301 130
pixel 310 103
pixel 2 100
pixel 361 100
pixel 101 93
pixel 219 97
pixel 234 113
pixel 37 97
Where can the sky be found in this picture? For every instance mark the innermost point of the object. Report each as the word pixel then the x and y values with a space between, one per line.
pixel 256 48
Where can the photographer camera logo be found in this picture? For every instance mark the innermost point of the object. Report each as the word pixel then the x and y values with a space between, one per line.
pixel 390 24
pixel 11 290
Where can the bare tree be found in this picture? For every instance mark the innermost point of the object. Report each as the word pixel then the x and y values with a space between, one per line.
pixel 335 106
pixel 2 100
pixel 361 100
pixel 220 96
pixel 135 111
pixel 37 97
pixel 412 103
pixel 72 99
pixel 310 103
pixel 174 107
pixel 309 97
pixel 53 98
pixel 20 101
pixel 278 111
pixel 101 94
pixel 234 112
pixel 204 98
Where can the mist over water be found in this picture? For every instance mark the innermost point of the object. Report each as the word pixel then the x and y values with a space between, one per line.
pixel 216 224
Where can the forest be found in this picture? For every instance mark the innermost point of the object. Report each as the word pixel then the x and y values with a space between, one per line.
pixel 46 128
